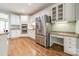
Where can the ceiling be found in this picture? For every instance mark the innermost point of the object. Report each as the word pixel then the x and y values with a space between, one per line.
pixel 23 8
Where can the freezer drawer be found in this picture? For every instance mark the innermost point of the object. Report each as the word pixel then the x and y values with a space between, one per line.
pixel 41 40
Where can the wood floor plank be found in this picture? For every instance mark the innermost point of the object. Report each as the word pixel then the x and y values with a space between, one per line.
pixel 28 47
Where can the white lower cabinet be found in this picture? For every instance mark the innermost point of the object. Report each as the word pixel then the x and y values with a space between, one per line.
pixel 3 45
pixel 15 33
pixel 70 45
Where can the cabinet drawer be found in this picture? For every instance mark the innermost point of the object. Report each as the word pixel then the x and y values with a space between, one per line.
pixel 41 40
pixel 70 50
pixel 67 40
pixel 70 40
pixel 70 45
pixel 67 50
pixel 73 40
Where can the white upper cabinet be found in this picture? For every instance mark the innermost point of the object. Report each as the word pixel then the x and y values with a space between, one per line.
pixel 14 19
pixel 66 11
pixel 69 12
pixel 24 19
pixel 54 13
pixel 60 12
pixel 77 10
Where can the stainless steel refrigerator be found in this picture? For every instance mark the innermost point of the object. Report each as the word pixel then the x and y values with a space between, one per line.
pixel 43 28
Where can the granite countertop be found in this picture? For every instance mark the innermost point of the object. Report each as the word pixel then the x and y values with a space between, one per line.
pixel 4 33
pixel 68 34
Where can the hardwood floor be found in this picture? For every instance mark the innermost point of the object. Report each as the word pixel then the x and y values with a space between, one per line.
pixel 27 47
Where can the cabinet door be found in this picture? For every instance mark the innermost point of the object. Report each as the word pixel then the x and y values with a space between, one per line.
pixel 52 40
pixel 17 20
pixel 66 11
pixel 69 11
pixel 77 26
pixel 60 12
pixel 18 33
pixel 3 45
pixel 73 46
pixel 14 19
pixel 15 33
pixel 77 10
pixel 70 45
pixel 54 13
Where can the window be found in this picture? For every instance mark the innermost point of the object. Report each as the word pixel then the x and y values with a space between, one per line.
pixel 2 26
pixel 3 22
pixel 6 25
pixel 3 16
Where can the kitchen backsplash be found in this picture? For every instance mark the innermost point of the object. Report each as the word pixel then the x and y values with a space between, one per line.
pixel 64 27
